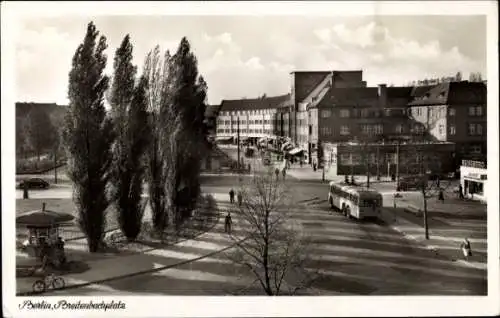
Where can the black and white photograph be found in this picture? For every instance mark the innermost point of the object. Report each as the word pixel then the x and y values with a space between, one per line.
pixel 250 150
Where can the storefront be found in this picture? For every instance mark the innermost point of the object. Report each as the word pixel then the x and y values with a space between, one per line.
pixel 473 178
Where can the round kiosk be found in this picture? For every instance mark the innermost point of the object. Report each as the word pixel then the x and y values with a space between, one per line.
pixel 44 233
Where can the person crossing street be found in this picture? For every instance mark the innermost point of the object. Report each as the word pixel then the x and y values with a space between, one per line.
pixel 231 196
pixel 228 223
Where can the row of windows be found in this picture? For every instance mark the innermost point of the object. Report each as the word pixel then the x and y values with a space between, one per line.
pixel 363 113
pixel 435 112
pixel 245 131
pixel 250 122
pixel 247 112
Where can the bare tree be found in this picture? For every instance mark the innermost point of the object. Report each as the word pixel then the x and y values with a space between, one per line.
pixel 275 248
pixel 426 166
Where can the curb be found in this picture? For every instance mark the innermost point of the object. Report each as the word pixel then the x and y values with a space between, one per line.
pixel 31 293
pixel 148 271
pixel 428 246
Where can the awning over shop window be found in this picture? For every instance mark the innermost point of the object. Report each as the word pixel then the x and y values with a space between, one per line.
pixel 295 151
pixel 220 138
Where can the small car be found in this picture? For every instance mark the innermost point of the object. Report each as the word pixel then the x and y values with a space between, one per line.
pixel 411 183
pixel 33 183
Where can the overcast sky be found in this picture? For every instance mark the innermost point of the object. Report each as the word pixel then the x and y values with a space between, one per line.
pixel 248 56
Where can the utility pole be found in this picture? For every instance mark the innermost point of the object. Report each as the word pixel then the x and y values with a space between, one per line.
pixel 238 141
pixel 368 155
pixel 55 165
pixel 397 166
pixel 378 162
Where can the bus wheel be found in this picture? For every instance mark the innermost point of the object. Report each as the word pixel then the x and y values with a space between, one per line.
pixel 331 203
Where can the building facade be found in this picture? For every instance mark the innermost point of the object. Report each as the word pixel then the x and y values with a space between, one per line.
pixel 250 118
pixel 387 158
pixel 455 112
pixel 336 107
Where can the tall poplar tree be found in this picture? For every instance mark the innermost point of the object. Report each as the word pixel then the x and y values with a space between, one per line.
pixel 156 73
pixel 128 104
pixel 88 136
pixel 187 96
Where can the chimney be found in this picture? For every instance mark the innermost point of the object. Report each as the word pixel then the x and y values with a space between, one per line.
pixel 382 95
pixel 43 206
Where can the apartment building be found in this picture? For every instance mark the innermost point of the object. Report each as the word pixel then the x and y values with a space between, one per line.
pixel 308 89
pixel 255 118
pixel 455 112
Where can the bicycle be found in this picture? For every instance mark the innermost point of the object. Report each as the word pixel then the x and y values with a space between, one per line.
pixel 50 280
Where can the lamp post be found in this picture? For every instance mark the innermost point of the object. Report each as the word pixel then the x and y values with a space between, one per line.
pixel 238 141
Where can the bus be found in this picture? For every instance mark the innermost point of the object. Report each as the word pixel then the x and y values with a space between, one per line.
pixel 355 202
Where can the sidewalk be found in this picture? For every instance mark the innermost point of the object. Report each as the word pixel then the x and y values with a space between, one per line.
pixel 151 260
pixel 445 232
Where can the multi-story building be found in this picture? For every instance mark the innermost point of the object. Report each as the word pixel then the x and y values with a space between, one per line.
pixel 308 89
pixel 454 112
pixel 255 118
pixel 336 107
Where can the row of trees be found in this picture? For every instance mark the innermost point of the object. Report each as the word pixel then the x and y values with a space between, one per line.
pixel 154 133
pixel 36 134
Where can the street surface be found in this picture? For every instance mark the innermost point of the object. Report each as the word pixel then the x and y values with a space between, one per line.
pixel 360 258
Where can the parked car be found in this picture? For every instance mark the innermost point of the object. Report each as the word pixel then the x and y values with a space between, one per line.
pixel 33 183
pixel 411 183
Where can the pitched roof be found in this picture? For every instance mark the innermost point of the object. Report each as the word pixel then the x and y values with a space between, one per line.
pixel 451 93
pixel 254 103
pixel 363 96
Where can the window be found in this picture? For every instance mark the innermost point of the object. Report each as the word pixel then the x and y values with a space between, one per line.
pixel 326 131
pixel 475 149
pixel 472 111
pixel 441 129
pixel 479 111
pixel 344 130
pixel 344 113
pixel 399 129
pixel 356 158
pixel 325 113
pixel 472 129
pixel 345 158
pixel 365 113
pixel 479 129
pixel 379 129
pixel 453 130
pixel 451 111
pixel 367 129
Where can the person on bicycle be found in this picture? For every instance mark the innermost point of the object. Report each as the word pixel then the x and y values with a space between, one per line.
pixel 231 196
pixel 228 223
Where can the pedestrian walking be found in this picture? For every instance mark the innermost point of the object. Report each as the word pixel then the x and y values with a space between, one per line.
pixel 314 166
pixel 441 195
pixel 284 173
pixel 228 222
pixel 466 249
pixel 301 162
pixel 277 172
pixel 231 196
pixel 25 190
pixel 460 192
pixel 240 198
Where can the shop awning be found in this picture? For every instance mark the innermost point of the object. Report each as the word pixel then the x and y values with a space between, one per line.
pixel 295 151
pixel 223 138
